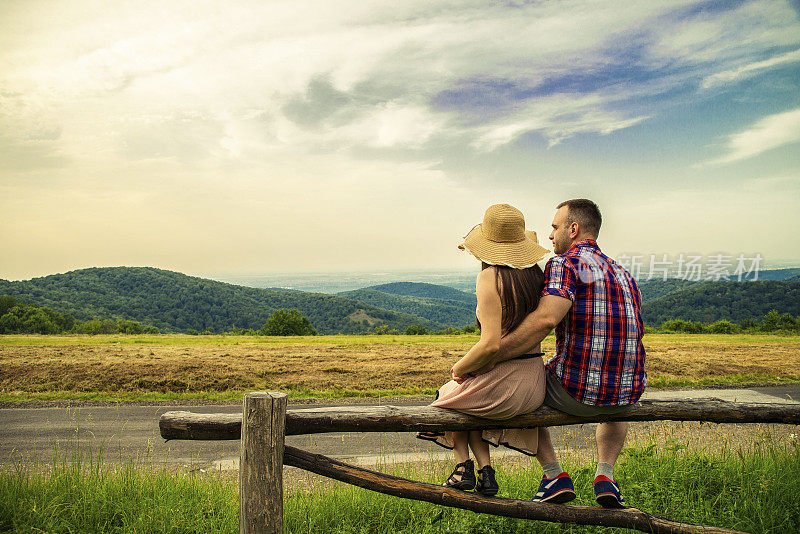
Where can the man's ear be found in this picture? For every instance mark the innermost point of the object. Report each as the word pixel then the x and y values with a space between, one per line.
pixel 574 230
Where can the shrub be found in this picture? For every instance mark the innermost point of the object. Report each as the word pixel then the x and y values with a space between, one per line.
pixel 416 330
pixel 287 323
pixel 723 327
pixel 679 325
pixel 384 330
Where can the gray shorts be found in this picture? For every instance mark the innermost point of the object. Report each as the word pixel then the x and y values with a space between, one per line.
pixel 557 398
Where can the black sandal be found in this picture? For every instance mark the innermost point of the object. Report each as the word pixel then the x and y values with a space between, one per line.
pixel 467 471
pixel 487 485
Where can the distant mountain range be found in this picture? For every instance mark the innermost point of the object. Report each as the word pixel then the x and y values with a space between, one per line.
pixel 436 303
pixel 173 301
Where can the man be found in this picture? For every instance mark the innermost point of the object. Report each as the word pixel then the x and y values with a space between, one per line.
pixel 598 368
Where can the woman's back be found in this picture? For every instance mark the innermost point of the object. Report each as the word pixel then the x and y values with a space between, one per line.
pixel 519 291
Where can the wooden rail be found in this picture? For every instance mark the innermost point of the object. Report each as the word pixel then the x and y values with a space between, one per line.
pixel 265 421
pixel 188 425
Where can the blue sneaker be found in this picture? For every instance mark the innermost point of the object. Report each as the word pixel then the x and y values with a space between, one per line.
pixel 607 493
pixel 556 490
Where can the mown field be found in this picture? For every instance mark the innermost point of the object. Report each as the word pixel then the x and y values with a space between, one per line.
pixel 222 367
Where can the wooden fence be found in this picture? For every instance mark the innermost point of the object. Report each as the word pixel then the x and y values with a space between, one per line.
pixel 265 422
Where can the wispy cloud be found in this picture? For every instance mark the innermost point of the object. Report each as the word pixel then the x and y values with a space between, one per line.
pixel 422 75
pixel 750 69
pixel 768 133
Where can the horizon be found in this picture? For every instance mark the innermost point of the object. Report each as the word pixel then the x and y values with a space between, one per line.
pixel 287 137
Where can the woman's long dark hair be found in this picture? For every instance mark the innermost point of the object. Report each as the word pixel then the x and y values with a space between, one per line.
pixel 519 291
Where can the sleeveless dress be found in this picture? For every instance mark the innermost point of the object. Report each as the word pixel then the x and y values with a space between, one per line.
pixel 511 388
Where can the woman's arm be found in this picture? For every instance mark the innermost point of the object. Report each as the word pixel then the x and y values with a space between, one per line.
pixel 491 315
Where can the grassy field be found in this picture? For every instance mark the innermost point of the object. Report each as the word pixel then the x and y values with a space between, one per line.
pixel 751 487
pixel 162 367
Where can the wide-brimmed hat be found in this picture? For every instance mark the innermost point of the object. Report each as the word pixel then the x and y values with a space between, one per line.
pixel 501 239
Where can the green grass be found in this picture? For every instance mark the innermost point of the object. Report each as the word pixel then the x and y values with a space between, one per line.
pixel 85 495
pixel 187 340
pixel 722 381
pixel 752 489
pixel 339 340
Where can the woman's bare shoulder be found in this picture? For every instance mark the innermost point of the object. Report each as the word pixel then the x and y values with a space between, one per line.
pixel 486 279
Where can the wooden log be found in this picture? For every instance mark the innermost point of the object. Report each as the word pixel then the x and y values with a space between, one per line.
pixel 407 489
pixel 261 463
pixel 188 425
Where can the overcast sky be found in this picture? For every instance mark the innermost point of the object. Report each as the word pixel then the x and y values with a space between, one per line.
pixel 242 137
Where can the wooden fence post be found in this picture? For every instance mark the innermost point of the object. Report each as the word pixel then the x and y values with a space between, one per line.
pixel 261 463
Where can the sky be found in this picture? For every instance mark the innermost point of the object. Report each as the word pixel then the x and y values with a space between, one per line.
pixel 248 137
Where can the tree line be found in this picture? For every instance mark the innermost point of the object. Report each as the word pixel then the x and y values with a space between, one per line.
pixel 25 318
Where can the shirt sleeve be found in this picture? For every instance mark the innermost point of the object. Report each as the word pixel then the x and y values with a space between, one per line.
pixel 559 279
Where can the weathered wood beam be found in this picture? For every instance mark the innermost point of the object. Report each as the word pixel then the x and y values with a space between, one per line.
pixel 189 425
pixel 407 489
pixel 261 463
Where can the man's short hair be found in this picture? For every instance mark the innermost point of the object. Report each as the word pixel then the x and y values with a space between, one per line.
pixel 585 213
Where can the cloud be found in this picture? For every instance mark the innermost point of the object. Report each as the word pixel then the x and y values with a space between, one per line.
pixel 416 77
pixel 750 69
pixel 770 132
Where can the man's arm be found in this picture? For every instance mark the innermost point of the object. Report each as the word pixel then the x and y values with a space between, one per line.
pixel 534 328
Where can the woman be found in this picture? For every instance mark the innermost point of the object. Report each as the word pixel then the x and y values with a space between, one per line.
pixel 508 289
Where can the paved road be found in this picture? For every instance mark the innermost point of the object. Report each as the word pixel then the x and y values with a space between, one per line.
pixel 121 433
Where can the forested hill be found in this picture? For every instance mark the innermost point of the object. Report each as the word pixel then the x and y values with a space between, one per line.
pixel 449 312
pixel 173 301
pixel 654 289
pixel 420 289
pixel 735 301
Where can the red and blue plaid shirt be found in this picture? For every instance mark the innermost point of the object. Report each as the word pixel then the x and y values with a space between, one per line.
pixel 599 353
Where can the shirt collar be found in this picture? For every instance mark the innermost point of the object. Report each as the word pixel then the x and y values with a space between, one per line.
pixel 583 243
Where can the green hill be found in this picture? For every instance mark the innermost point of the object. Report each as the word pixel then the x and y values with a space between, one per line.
pixel 453 313
pixel 654 289
pixel 173 301
pixel 735 301
pixel 420 289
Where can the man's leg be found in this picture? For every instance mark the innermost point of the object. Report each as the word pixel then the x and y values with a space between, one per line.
pixel 610 439
pixel 546 454
pixel 553 488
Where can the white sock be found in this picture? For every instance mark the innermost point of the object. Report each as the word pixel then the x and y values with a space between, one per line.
pixel 552 470
pixel 605 469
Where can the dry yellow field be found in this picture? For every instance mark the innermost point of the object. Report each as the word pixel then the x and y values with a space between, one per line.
pixel 41 367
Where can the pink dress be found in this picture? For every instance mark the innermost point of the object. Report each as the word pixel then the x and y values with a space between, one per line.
pixel 511 388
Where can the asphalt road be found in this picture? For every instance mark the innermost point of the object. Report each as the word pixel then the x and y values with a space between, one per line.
pixel 122 433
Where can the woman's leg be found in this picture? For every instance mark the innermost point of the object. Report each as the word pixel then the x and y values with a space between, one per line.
pixel 460 448
pixel 479 448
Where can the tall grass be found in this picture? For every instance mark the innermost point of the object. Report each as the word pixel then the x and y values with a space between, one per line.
pixel 752 488
pixel 81 493
pixel 753 491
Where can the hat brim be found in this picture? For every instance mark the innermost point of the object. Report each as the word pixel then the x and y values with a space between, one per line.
pixel 519 255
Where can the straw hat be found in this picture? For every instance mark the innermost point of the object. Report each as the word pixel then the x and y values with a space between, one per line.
pixel 502 239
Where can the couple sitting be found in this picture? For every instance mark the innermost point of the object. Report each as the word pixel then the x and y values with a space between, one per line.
pixel 598 368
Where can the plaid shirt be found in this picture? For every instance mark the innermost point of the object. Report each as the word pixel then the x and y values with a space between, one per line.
pixel 599 353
